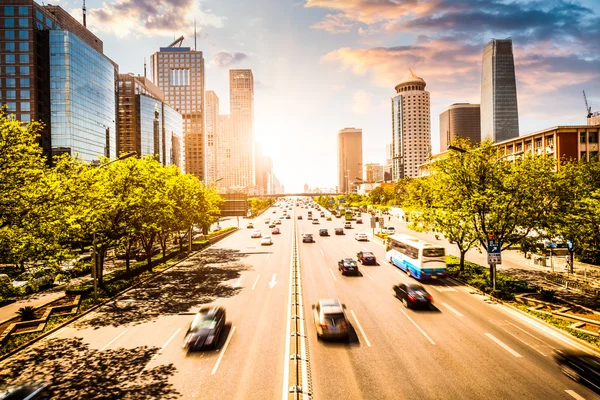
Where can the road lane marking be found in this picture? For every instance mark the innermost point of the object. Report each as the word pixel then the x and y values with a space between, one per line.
pixel 58 332
pixel 360 328
pixel 115 339
pixel 273 282
pixel 334 278
pixel 223 351
pixel 369 276
pixel 161 350
pixel 524 342
pixel 238 282
pixel 323 254
pixel 288 332
pixel 255 282
pixel 400 272
pixel 503 345
pixel 417 326
pixel 574 395
pixel 443 289
pixel 452 309
pixel 268 255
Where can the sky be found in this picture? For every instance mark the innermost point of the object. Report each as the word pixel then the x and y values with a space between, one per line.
pixel 323 65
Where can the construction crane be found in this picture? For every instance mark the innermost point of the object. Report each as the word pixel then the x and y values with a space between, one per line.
pixel 587 107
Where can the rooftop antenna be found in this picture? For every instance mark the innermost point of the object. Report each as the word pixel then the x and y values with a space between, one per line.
pixel 84 22
pixel 144 67
pixel 194 33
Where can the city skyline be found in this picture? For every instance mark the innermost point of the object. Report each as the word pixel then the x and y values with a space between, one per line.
pixel 344 56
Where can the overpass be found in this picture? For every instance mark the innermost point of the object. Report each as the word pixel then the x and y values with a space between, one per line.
pixel 296 194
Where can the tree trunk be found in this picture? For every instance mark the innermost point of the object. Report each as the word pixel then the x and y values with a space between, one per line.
pixel 127 262
pixel 100 266
pixel 462 260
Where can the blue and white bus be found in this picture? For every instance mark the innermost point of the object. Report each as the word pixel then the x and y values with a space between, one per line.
pixel 416 257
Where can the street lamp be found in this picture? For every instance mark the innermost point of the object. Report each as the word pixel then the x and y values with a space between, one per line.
pixel 94 252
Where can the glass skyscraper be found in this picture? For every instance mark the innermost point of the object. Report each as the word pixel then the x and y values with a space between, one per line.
pixel 499 111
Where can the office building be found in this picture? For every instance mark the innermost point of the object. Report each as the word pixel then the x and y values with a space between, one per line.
pixel 499 111
pixel 240 171
pixel 53 70
pixel 212 137
pixel 179 73
pixel 374 173
pixel 146 124
pixel 460 120
pixel 349 159
pixel 411 131
pixel 224 152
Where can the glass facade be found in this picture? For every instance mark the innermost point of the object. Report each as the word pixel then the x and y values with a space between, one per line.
pixel 82 92
pixel 151 143
pixel 173 137
pixel 397 167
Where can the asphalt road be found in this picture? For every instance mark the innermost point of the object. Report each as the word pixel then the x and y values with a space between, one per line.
pixel 465 348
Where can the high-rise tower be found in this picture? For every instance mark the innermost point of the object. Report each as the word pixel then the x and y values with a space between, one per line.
pixel 241 96
pixel 179 73
pixel 499 111
pixel 212 137
pixel 349 159
pixel 460 120
pixel 411 130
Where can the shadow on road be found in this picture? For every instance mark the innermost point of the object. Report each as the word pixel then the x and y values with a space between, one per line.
pixel 196 281
pixel 75 371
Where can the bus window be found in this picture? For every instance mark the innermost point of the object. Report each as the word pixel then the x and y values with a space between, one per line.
pixel 439 252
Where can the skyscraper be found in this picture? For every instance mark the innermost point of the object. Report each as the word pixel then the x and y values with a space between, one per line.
pixel 179 72
pixel 53 70
pixel 499 111
pixel 241 162
pixel 349 159
pixel 460 120
pixel 263 169
pixel 146 124
pixel 411 131
pixel 224 152
pixel 212 137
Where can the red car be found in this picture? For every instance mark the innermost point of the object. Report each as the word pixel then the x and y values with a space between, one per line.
pixel 275 231
pixel 339 231
pixel 366 257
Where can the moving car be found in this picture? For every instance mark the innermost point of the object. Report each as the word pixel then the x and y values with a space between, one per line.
pixel 389 230
pixel 315 221
pixel 361 237
pixel 412 295
pixel 256 233
pixel 309 217
pixel 330 319
pixel 278 222
pixel 275 231
pixel 348 225
pixel 299 216
pixel 366 257
pixel 339 231
pixel 250 225
pixel 322 214
pixel 205 328
pixel 29 282
pixel 348 266
pixel 580 367
pixel 307 238
pixel 323 232
pixel 359 221
pixel 328 218
pixel 267 221
pixel 272 225
pixel 287 217
pixel 266 241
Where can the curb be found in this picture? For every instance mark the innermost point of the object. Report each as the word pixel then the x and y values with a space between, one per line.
pixel 563 333
pixel 53 330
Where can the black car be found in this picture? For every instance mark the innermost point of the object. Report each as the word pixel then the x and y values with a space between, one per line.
pixel 366 257
pixel 323 232
pixel 272 225
pixel 205 328
pixel 299 216
pixel 307 238
pixel 359 221
pixel 412 295
pixel 339 231
pixel 580 367
pixel 348 266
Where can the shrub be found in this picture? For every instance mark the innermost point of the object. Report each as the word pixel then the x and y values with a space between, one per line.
pixel 548 295
pixel 26 313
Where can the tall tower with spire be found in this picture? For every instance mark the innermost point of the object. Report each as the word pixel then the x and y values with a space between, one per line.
pixel 411 127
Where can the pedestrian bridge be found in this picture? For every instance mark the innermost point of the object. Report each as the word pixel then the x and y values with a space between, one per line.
pixel 298 194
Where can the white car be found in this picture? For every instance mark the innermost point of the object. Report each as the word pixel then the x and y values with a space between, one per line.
pixel 361 236
pixel 266 240
pixel 250 225
pixel 390 230
pixel 256 233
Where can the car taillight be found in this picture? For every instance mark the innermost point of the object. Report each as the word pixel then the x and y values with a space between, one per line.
pixel 343 324
pixel 323 325
pixel 412 298
pixel 430 298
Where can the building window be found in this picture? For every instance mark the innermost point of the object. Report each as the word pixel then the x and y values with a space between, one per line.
pixel 25 107
pixel 581 137
pixel 9 23
pixel 23 11
pixel 582 156
pixel 23 70
pixel 24 94
pixel 10 47
pixel 11 106
pixel 10 71
pixel 38 15
pixel 23 46
pixel 593 156
pixel 49 22
pixel 10 58
pixel 11 94
pixel 23 23
pixel 24 82
pixel 9 11
pixel 23 58
pixel 26 118
pixel 11 82
pixel 24 35
pixel 9 35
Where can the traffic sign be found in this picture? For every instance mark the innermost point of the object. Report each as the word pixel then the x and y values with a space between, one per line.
pixel 494 246
pixel 373 223
pixel 381 222
pixel 495 258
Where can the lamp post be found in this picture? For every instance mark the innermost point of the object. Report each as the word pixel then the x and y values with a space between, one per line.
pixel 94 252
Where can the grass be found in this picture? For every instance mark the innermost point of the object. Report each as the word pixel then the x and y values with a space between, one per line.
pixel 17 341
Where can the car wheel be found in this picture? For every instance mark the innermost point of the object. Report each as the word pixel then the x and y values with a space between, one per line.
pixel 408 272
pixel 404 303
pixel 570 372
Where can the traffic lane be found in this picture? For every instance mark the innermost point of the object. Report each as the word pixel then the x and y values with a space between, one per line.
pixel 477 340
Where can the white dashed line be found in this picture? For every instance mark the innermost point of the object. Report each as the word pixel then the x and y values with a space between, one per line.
pixel 574 395
pixel 360 328
pixel 503 345
pixel 223 351
pixel 334 278
pixel 114 340
pixel 368 276
pixel 255 282
pixel 417 326
pixel 452 309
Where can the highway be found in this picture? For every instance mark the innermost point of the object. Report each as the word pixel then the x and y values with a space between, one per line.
pixel 466 347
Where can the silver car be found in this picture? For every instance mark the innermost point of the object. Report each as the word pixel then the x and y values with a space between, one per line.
pixel 330 319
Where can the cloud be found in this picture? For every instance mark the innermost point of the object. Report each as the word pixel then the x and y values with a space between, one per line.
pixel 151 17
pixel 373 11
pixel 224 59
pixel 361 102
pixel 334 24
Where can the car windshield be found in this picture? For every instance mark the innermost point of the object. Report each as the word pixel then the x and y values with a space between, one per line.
pixel 350 263
pixel 24 277
pixel 367 254
pixel 203 322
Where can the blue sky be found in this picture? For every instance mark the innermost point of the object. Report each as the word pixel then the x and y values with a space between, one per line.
pixel 322 65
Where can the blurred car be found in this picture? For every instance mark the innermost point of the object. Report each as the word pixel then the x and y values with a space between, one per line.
pixel 309 217
pixel 339 231
pixel 366 257
pixel 315 221
pixel 267 221
pixel 27 391
pixel 266 240
pixel 348 266
pixel 31 281
pixel 274 211
pixel 359 221
pixel 330 319
pixel 275 231
pixel 361 237
pixel 348 225
pixel 322 214
pixel 412 295
pixel 205 328
pixel 287 216
pixel 580 367
pixel 282 217
pixel 328 218
pixel 389 230
pixel 256 233
pixel 307 238
pixel 272 225
pixel 323 232
pixel 278 222
pixel 250 225
pixel 299 216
